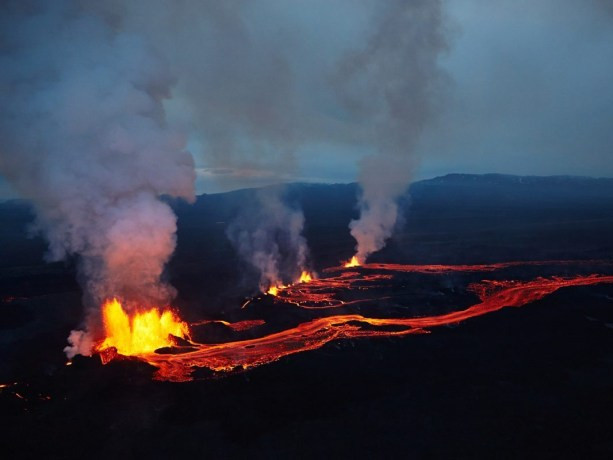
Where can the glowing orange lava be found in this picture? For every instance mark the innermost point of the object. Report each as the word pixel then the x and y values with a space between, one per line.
pixel 238 326
pixel 274 290
pixel 354 262
pixel 314 334
pixel 332 292
pixel 142 333
pixel 305 277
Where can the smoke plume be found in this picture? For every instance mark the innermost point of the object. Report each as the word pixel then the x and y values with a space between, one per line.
pixel 84 136
pixel 268 235
pixel 239 86
pixel 392 84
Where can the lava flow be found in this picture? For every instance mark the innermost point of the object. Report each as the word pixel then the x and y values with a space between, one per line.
pixel 320 293
pixel 305 277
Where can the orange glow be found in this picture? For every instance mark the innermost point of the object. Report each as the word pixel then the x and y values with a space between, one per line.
pixel 238 326
pixel 354 262
pixel 313 334
pixel 273 290
pixel 305 277
pixel 144 332
pixel 326 293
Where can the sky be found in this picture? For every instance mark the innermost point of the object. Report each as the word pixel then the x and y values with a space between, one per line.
pixel 531 90
pixel 525 89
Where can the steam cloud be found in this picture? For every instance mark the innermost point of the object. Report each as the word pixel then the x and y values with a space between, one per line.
pixel 241 97
pixel 269 237
pixel 84 136
pixel 236 93
pixel 392 82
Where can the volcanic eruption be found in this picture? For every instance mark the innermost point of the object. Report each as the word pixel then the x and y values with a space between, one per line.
pixel 97 177
pixel 269 237
pixel 142 332
pixel 97 138
pixel 336 304
pixel 306 229
pixel 353 262
pixel 91 147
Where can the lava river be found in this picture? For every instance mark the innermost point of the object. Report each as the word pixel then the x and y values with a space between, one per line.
pixel 323 293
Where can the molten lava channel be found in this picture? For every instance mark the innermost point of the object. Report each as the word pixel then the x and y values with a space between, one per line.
pixel 313 334
pixel 275 288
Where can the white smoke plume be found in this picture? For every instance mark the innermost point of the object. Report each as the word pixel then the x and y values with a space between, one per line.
pixel 84 136
pixel 392 84
pixel 239 85
pixel 268 235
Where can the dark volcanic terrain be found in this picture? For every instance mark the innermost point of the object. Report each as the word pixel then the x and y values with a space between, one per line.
pixel 529 382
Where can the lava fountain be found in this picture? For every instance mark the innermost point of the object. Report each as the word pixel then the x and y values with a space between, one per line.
pixel 274 289
pixel 353 262
pixel 305 277
pixel 143 332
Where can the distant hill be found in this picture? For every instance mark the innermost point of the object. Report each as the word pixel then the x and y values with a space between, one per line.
pixel 321 201
pixel 488 189
pixel 493 211
pixel 469 189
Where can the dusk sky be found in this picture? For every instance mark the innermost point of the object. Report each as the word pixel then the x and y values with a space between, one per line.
pixel 525 89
